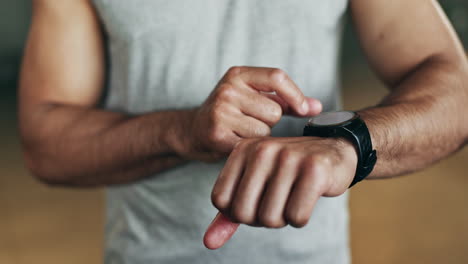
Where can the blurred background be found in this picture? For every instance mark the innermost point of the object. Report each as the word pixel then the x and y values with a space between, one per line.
pixel 422 218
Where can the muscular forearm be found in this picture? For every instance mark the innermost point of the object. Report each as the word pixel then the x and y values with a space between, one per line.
pixel 123 175
pixel 423 119
pixel 72 145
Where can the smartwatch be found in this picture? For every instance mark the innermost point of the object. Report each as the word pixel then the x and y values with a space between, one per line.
pixel 348 125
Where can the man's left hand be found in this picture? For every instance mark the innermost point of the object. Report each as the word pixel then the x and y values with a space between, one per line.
pixel 273 182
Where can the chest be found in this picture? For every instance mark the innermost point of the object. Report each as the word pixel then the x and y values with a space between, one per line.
pixel 129 20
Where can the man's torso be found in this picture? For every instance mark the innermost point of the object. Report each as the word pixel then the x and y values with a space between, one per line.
pixel 170 55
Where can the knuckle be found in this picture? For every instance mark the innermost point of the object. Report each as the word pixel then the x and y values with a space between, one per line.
pixel 321 183
pixel 278 75
pixel 324 160
pixel 270 221
pixel 220 201
pixel 276 113
pixel 300 222
pixel 233 72
pixel 264 148
pixel 311 162
pixel 315 162
pixel 242 216
pixel 286 155
pixel 226 91
pixel 297 219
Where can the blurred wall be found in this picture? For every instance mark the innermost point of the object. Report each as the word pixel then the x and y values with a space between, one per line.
pixel 14 22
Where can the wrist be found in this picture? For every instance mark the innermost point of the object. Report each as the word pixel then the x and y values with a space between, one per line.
pixel 344 155
pixel 348 148
pixel 349 154
pixel 346 125
pixel 178 136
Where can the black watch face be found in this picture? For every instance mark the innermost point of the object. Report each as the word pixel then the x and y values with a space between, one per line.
pixel 332 118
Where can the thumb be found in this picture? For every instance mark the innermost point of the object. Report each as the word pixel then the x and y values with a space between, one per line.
pixel 314 106
pixel 219 232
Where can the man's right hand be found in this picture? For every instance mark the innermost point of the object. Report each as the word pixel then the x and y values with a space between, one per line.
pixel 69 140
pixel 246 103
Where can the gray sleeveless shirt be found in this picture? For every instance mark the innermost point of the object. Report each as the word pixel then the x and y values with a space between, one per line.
pixel 169 55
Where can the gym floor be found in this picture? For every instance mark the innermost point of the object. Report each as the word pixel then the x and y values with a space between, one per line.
pixel 420 218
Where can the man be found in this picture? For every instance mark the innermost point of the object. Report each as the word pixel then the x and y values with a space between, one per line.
pixel 165 125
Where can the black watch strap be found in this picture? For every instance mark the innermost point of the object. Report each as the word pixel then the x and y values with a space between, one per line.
pixel 358 133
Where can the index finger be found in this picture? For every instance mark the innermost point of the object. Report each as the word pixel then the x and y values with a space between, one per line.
pixel 277 81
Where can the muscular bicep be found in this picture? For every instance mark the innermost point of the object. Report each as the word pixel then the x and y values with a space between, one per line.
pixel 399 35
pixel 63 59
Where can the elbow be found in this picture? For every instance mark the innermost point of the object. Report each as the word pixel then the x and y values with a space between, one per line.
pixel 42 153
pixel 44 170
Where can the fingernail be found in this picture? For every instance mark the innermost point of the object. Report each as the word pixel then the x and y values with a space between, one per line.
pixel 317 107
pixel 320 107
pixel 305 107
